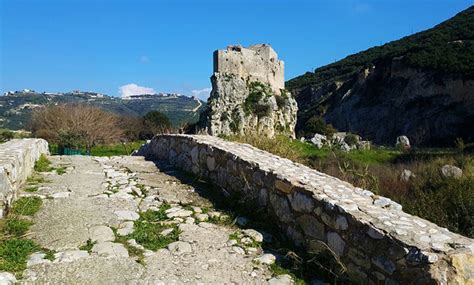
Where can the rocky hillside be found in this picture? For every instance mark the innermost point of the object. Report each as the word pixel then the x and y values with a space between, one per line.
pixel 15 109
pixel 421 86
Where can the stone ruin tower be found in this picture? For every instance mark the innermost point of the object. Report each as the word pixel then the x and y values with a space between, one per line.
pixel 248 94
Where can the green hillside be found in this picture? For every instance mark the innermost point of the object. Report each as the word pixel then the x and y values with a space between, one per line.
pixel 16 109
pixel 446 48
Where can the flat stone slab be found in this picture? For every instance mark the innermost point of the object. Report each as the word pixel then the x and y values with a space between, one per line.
pixel 110 249
pixel 101 234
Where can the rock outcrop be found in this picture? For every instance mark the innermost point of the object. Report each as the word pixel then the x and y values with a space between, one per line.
pixel 248 94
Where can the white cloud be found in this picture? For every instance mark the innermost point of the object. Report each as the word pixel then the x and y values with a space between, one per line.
pixel 144 59
pixel 133 89
pixel 202 93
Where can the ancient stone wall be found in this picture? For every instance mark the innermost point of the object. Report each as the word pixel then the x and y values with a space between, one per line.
pixel 17 160
pixel 373 237
pixel 257 63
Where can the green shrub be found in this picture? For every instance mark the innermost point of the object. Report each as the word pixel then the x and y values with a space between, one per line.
pixel 317 125
pixel 351 139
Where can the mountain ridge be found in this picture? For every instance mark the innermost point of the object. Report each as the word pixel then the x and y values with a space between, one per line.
pixel 421 85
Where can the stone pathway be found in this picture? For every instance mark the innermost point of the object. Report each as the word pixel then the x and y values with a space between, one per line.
pixel 89 212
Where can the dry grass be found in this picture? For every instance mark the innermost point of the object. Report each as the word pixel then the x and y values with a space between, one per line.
pixel 446 202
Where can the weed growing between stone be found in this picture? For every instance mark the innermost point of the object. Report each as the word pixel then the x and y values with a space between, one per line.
pixel 26 206
pixel 35 179
pixel 88 246
pixel 132 250
pixel 31 189
pixel 148 229
pixel 43 164
pixel 61 170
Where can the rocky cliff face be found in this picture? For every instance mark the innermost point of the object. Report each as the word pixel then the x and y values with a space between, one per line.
pixel 391 99
pixel 238 106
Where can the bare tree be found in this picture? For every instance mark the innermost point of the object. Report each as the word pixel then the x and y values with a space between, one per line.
pixel 76 125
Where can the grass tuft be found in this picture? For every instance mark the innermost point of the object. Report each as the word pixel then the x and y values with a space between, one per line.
pixel 17 227
pixel 26 206
pixel 88 246
pixel 43 164
pixel 14 254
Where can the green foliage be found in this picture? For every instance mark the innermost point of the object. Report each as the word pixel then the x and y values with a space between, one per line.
pixel 43 164
pixel 17 227
pixel 157 118
pixel 351 139
pixel 6 135
pixel 281 101
pixel 31 189
pixel 148 228
pixel 61 170
pixel 253 103
pixel 70 139
pixel 49 254
pixel 317 125
pixel 14 254
pixel 448 48
pixel 88 246
pixel 35 179
pixel 26 206
pixel 116 149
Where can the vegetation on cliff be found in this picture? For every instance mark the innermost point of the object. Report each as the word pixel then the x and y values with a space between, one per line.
pixel 446 48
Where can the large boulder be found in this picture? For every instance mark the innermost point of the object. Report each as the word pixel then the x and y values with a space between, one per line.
pixel 319 140
pixel 403 143
pixel 451 171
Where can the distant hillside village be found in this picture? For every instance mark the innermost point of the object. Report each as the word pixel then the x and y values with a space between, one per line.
pixel 16 106
pixel 91 94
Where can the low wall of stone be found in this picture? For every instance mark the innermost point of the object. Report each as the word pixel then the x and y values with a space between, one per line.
pixel 374 238
pixel 17 160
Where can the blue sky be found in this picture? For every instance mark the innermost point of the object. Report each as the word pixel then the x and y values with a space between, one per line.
pixel 167 45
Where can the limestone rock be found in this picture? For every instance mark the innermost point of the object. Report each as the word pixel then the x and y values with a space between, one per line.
pixel 110 249
pixel 451 171
pixel 284 279
pixel 101 234
pixel 319 140
pixel 70 255
pixel 403 142
pixel 266 258
pixel 6 278
pixel 179 247
pixel 125 215
pixel 406 175
pixel 125 228
pixel 256 236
